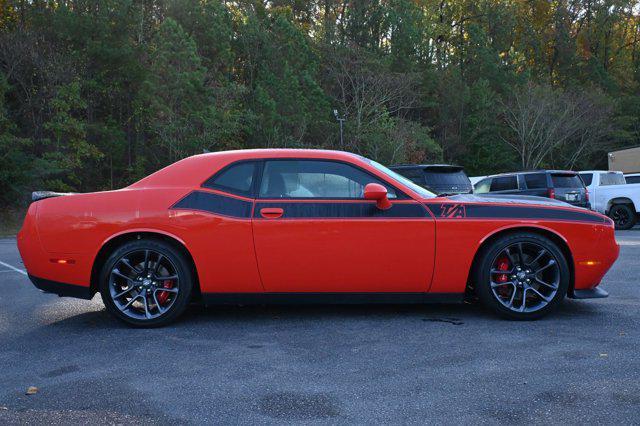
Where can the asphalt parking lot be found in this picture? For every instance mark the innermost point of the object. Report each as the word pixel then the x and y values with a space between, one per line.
pixel 321 364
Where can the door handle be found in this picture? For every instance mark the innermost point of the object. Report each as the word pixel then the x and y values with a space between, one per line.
pixel 271 212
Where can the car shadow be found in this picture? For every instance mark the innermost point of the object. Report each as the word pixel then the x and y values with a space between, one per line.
pixel 198 316
pixel 570 309
pixel 320 312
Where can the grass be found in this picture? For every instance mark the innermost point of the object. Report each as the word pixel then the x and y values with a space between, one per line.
pixel 10 221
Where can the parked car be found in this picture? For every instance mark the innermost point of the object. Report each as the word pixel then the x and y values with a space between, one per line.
pixel 613 196
pixel 441 179
pixel 632 178
pixel 476 179
pixel 558 184
pixel 292 225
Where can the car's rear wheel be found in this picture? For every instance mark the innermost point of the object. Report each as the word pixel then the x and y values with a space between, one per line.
pixel 146 283
pixel 522 276
pixel 623 216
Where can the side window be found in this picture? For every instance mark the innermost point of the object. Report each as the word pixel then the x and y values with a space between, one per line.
pixel 504 183
pixel 612 179
pixel 315 179
pixel 587 178
pixel 483 186
pixel 536 181
pixel 633 179
pixel 236 179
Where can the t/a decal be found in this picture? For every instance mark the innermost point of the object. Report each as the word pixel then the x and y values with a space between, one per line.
pixel 453 211
pixel 493 211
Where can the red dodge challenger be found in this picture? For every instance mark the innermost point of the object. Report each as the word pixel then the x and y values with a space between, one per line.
pixel 269 226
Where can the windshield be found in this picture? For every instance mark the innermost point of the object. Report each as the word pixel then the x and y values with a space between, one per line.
pixel 403 180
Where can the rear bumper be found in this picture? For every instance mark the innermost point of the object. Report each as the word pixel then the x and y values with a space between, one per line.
pixel 594 293
pixel 62 289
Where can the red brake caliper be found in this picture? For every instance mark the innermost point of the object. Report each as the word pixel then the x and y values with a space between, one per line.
pixel 503 265
pixel 164 295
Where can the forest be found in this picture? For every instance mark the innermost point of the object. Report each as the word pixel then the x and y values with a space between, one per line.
pixel 96 94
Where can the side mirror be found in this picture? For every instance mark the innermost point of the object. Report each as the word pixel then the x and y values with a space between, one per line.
pixel 377 192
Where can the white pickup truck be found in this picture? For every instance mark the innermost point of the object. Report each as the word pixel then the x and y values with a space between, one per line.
pixel 611 195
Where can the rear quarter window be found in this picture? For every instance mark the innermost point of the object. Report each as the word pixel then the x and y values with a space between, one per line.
pixel 482 187
pixel 236 178
pixel 587 178
pixel 536 181
pixel 504 183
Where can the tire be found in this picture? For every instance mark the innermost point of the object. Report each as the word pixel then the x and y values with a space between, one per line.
pixel 623 216
pixel 501 292
pixel 153 273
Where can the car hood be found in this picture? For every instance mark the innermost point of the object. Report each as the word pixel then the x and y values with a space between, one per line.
pixel 515 199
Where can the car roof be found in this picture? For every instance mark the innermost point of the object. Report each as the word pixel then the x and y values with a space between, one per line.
pixel 281 152
pixel 528 172
pixel 197 168
pixel 426 166
pixel 599 171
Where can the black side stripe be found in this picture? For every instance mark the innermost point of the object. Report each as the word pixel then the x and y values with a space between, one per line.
pixel 482 211
pixel 234 207
pixel 215 203
pixel 345 210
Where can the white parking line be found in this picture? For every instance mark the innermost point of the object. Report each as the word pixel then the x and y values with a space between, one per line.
pixel 629 243
pixel 20 271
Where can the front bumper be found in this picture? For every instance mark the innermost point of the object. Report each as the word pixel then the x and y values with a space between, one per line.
pixel 62 289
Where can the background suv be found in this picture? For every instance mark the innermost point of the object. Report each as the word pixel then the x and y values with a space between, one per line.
pixel 437 178
pixel 561 185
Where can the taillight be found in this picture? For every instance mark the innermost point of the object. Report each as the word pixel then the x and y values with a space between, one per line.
pixel 586 194
pixel 551 193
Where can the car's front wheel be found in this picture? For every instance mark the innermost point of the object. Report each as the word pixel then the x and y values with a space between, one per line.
pixel 522 276
pixel 146 283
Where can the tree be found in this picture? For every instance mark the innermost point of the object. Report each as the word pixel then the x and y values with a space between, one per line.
pixel 288 107
pixel 70 152
pixel 100 93
pixel 594 133
pixel 17 163
pixel 543 120
pixel 376 102
pixel 175 105
pixel 485 152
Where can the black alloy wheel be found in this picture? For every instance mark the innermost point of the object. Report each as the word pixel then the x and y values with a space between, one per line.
pixel 522 276
pixel 146 283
